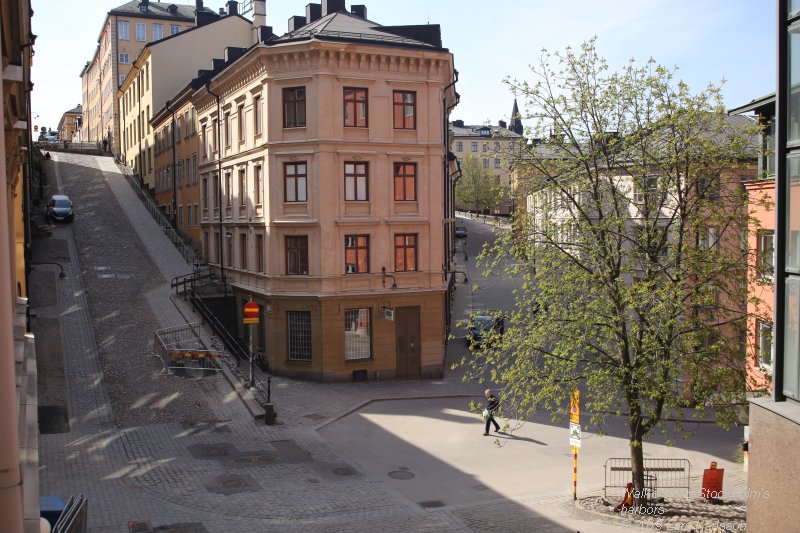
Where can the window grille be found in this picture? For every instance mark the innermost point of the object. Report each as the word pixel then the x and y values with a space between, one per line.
pixel 299 329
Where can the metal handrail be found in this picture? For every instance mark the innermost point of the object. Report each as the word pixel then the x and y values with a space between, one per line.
pixel 233 344
pixel 185 249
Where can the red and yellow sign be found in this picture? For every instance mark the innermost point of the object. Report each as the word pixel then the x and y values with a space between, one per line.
pixel 250 313
pixel 575 407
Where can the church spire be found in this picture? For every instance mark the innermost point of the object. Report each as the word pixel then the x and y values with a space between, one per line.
pixel 516 122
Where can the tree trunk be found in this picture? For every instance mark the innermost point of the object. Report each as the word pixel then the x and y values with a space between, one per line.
pixel 637 468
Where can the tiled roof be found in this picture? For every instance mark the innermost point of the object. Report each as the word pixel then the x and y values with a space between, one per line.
pixel 75 111
pixel 348 27
pixel 157 10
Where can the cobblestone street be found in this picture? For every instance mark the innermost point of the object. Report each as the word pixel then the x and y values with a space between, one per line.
pixel 185 454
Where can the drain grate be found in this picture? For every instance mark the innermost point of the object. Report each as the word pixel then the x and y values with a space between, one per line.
pixel 254 460
pixel 401 474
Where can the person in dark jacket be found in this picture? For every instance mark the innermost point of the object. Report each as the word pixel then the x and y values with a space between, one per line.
pixel 491 406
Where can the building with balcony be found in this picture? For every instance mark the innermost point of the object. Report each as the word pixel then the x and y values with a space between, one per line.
pixel 324 177
pixel 125 31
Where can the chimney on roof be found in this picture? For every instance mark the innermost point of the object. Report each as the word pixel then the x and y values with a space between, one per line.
pixel 359 10
pixel 222 12
pixel 265 34
pixel 202 16
pixel 259 13
pixel 458 123
pixel 259 19
pixel 502 124
pixel 313 12
pixel 332 6
pixel 233 7
pixel 296 22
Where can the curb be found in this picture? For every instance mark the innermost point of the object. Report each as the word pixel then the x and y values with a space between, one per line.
pixel 389 399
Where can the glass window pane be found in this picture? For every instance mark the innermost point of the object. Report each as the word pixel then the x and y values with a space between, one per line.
pixel 793 104
pixel 301 189
pixel 793 218
pixel 791 348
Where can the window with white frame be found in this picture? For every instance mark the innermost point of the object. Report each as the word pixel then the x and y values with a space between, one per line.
pixel 174 28
pixel 766 253
pixel 764 343
pixel 646 189
pixel 124 59
pixel 158 32
pixel 357 334
pixel 122 30
pixel 299 335
pixel 141 32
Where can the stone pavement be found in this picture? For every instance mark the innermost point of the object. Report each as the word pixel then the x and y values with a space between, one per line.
pixel 187 456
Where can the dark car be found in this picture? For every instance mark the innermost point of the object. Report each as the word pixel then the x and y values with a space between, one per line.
pixel 461 232
pixel 482 328
pixel 59 208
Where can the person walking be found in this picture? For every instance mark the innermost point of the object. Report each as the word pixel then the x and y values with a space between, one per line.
pixel 492 403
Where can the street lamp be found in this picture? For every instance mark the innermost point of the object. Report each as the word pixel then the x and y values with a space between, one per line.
pixel 388 275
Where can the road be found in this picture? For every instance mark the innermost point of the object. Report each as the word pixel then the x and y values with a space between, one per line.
pixel 184 455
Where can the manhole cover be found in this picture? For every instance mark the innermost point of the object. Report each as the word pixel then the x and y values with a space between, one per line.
pixel 343 471
pixel 253 460
pixel 401 474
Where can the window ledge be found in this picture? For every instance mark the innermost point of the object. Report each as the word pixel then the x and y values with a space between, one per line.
pixel 358 361
pixel 788 409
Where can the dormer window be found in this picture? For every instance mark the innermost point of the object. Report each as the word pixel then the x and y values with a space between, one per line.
pixel 143 8
pixel 485 132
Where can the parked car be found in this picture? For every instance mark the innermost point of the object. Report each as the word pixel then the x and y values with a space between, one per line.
pixel 59 208
pixel 482 328
pixel 50 138
pixel 461 232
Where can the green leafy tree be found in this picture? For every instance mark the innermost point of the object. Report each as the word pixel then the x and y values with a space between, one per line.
pixel 478 187
pixel 631 257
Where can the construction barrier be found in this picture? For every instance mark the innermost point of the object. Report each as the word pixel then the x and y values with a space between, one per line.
pixel 181 348
pixel 660 476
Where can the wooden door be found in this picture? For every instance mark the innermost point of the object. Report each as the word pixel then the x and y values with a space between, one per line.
pixel 407 347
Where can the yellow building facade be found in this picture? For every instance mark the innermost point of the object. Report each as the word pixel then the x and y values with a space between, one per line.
pixel 125 31
pixel 161 70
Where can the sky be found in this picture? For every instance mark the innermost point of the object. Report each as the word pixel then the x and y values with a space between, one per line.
pixel 707 40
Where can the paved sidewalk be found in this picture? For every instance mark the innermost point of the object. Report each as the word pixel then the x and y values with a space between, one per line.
pixel 216 469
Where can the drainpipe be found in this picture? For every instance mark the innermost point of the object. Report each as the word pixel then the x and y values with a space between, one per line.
pixel 448 189
pixel 174 171
pixel 219 187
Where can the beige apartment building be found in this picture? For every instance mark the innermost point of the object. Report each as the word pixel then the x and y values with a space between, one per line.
pixel 495 148
pixel 69 124
pixel 175 161
pixel 123 34
pixel 324 174
pixel 160 70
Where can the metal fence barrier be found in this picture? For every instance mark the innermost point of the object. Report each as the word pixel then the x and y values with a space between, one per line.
pixel 660 475
pixel 181 348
